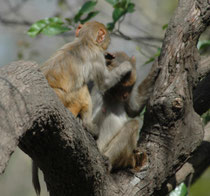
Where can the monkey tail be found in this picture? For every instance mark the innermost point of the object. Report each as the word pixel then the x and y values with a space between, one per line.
pixel 35 178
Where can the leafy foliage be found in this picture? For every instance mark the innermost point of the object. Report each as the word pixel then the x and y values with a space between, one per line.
pixel 180 190
pixel 165 26
pixel 203 46
pixel 48 26
pixel 86 8
pixel 152 58
pixel 121 8
pixel 55 25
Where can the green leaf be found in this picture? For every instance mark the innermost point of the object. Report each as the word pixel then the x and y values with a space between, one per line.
pixel 54 29
pixel 123 4
pixel 203 44
pixel 110 26
pixel 117 13
pixel 180 190
pixel 165 26
pixel 151 59
pixel 38 26
pixel 55 20
pixel 77 17
pixel 131 7
pixel 143 112
pixel 68 20
pixel 118 5
pixel 87 7
pixel 89 16
pixel 112 2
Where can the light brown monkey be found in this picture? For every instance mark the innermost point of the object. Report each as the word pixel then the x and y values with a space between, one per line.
pixel 117 134
pixel 71 67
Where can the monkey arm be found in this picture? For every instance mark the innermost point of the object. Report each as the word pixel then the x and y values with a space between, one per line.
pixel 111 78
pixel 141 93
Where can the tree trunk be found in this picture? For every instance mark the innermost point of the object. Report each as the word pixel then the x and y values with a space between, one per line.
pixel 33 118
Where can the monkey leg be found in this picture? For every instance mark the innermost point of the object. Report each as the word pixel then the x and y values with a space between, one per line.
pixel 70 100
pixel 80 104
pixel 86 111
pixel 120 149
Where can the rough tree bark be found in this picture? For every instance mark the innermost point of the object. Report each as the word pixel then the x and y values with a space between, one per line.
pixel 32 117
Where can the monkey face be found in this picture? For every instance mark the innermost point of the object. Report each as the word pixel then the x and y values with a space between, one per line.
pixel 122 91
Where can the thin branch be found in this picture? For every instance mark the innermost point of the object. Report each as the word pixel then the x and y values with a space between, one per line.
pixel 139 38
pixel 15 22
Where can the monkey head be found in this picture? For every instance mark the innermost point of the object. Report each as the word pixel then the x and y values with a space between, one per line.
pixel 94 32
pixel 122 90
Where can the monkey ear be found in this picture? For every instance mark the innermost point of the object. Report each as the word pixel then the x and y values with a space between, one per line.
pixel 101 36
pixel 78 30
pixel 133 60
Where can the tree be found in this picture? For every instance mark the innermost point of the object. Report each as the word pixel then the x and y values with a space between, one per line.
pixel 34 119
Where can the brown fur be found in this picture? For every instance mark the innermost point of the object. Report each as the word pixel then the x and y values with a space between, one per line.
pixel 72 66
pixel 118 135
pixel 122 89
pixel 64 71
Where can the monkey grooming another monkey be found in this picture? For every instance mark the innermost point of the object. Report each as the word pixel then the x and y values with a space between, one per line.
pixel 117 134
pixel 71 67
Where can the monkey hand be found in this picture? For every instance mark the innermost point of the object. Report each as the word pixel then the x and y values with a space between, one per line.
pixel 125 68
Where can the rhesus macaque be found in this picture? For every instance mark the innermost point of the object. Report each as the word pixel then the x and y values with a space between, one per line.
pixel 117 134
pixel 72 66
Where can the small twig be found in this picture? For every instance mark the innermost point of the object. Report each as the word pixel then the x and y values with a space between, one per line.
pixel 118 33
pixel 120 22
pixel 14 22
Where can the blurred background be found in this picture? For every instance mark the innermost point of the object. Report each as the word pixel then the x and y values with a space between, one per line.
pixel 146 25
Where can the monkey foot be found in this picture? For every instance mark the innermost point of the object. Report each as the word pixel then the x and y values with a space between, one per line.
pixel 140 158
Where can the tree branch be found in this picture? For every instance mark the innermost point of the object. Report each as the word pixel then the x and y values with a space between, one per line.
pixel 32 117
pixel 194 167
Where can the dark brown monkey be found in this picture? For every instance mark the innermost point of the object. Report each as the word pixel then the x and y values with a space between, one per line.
pixel 117 134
